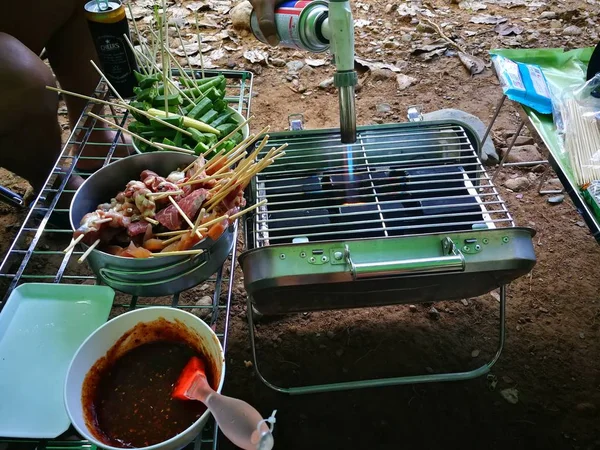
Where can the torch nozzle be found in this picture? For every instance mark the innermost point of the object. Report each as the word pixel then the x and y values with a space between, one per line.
pixel 347 114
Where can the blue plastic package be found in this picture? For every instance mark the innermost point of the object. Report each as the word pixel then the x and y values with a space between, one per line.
pixel 524 83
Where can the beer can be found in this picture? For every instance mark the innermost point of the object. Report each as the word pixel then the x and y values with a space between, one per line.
pixel 108 23
pixel 299 25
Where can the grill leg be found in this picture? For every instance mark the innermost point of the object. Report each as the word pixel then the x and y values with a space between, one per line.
pixel 428 378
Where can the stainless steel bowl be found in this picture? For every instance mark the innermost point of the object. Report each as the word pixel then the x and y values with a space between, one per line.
pixel 148 277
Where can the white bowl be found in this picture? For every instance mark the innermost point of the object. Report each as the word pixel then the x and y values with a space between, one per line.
pixel 236 116
pixel 101 340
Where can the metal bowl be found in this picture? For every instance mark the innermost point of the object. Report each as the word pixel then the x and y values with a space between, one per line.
pixel 148 277
pixel 236 116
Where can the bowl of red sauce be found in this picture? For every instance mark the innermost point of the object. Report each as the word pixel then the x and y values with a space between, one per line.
pixel 119 383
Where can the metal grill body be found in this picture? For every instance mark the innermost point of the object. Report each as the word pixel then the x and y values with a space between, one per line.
pixel 405 215
pixel 37 252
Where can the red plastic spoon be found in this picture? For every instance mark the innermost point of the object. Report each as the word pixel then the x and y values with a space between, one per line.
pixel 240 423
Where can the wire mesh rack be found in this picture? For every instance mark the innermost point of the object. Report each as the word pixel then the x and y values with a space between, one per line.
pixel 36 254
pixel 400 180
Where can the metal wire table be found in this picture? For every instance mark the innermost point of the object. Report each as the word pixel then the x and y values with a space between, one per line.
pixel 36 254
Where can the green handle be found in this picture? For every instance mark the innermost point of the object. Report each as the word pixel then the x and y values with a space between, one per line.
pixel 451 261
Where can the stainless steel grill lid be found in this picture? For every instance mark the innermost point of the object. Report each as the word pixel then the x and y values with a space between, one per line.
pixel 407 214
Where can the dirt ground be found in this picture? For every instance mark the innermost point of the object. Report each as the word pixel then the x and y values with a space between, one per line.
pixel 550 357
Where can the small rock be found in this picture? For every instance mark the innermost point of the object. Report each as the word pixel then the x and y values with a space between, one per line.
pixel 424 28
pixel 381 75
pixel 465 302
pixel 433 313
pixel 517 184
pixel 248 364
pixel 330 334
pixel 540 168
pixel 475 353
pixel 556 24
pixel 240 15
pixel 231 64
pixel 519 196
pixel 277 62
pixel 406 37
pixel 572 30
pixel 511 395
pixel 548 15
pixel 206 286
pixel 495 295
pixel 524 153
pixel 524 140
pixel 507 379
pixel 556 199
pixel 339 352
pixel 205 302
pixel 404 81
pixel 412 308
pixel 326 84
pixel 582 335
pixel 580 223
pixel 294 66
pixel 586 409
pixel 543 310
pixel 383 108
pixel 388 8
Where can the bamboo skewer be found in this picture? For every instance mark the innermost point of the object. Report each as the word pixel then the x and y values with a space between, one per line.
pixel 88 251
pixel 251 208
pixel 200 46
pixel 166 193
pixel 73 243
pixel 187 58
pixel 582 141
pixel 215 176
pixel 162 54
pixel 185 217
pixel 152 221
pixel 171 240
pixel 171 233
pixel 101 221
pixel 221 141
pixel 120 104
pixel 153 144
pixel 198 220
pixel 139 37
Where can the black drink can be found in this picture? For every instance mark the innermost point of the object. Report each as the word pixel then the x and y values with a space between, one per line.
pixel 108 24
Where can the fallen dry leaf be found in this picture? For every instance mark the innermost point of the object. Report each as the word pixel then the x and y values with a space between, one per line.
pixel 471 5
pixel 217 54
pixel 359 23
pixel 372 65
pixel 315 62
pixel 197 6
pixel 220 6
pixel 256 56
pixel 487 19
pixel 506 29
pixel 137 11
pixel 208 63
pixel 474 64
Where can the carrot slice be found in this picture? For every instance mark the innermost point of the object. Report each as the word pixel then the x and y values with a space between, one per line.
pixel 154 245
pixel 217 230
pixel 114 250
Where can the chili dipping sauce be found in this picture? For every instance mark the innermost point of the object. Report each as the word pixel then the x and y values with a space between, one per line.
pixel 127 394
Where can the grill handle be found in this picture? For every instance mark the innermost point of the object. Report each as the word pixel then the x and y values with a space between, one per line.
pixel 452 260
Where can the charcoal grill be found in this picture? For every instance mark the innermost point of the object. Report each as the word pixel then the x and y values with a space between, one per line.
pixel 407 214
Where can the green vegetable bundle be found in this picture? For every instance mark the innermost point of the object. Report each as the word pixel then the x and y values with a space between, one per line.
pixel 207 119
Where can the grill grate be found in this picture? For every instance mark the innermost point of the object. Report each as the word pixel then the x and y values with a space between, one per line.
pixel 36 254
pixel 397 180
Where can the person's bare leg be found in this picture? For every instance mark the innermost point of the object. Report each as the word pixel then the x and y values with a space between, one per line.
pixel 30 137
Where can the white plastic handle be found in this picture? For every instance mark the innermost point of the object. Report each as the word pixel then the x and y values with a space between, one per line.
pixel 241 423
